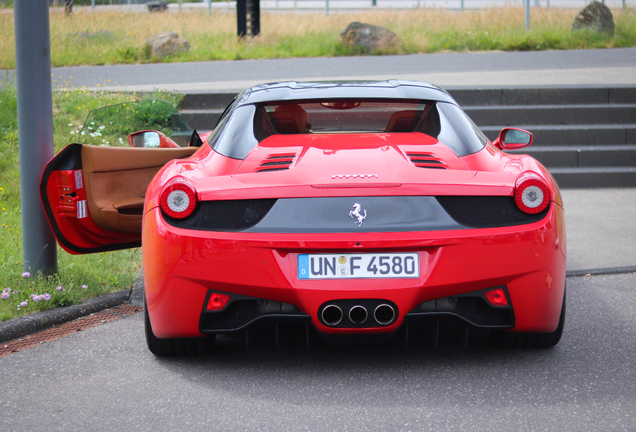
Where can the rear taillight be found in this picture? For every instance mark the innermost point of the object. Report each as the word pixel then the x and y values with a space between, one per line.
pixel 178 199
pixel 532 195
pixel 496 297
pixel 217 301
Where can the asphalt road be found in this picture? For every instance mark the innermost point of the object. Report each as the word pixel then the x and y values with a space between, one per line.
pixel 105 379
pixel 576 67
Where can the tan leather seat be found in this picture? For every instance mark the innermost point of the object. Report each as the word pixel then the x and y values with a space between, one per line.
pixel 403 121
pixel 291 119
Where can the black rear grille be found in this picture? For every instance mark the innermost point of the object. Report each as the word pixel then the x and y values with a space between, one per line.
pixel 426 160
pixel 471 307
pixel 276 163
pixel 487 211
pixel 464 212
pixel 230 215
pixel 243 311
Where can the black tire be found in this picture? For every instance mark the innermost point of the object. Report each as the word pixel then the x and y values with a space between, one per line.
pixel 531 340
pixel 176 346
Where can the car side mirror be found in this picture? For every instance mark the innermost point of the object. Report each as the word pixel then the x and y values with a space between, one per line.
pixel 513 139
pixel 150 139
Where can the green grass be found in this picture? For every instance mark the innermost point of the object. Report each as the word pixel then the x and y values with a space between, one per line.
pixel 100 273
pixel 103 37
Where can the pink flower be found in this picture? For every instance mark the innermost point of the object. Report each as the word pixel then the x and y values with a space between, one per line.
pixel 26 275
pixel 60 288
pixel 36 297
pixel 46 296
pixel 24 303
pixel 84 286
pixel 4 295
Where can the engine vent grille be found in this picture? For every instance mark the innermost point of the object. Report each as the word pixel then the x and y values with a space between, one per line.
pixel 426 160
pixel 229 215
pixel 276 163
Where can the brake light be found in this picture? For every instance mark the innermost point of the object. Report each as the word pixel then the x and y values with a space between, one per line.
pixel 532 195
pixel 496 297
pixel 178 199
pixel 217 301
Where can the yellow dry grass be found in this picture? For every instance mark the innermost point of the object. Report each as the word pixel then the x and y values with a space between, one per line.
pixel 96 37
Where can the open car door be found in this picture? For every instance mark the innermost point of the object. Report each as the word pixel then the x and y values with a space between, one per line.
pixel 93 195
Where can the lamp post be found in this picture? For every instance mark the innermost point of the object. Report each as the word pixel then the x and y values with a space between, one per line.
pixel 35 129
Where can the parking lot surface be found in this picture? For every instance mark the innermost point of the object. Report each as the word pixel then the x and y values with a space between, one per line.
pixel 104 378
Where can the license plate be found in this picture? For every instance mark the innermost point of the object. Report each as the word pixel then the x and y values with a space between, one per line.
pixel 358 266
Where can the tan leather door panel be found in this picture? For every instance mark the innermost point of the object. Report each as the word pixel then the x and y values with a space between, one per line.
pixel 116 179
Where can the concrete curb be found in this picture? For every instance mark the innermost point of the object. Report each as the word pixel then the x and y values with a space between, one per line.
pixel 39 321
pixel 137 294
pixel 601 271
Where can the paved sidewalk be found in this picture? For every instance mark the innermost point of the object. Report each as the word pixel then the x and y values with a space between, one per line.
pixel 600 228
pixel 491 69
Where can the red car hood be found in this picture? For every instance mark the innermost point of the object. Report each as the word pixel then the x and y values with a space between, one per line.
pixel 382 157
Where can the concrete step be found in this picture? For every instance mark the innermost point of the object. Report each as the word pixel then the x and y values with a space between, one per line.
pixel 586 136
pixel 202 120
pixel 573 135
pixel 583 156
pixel 206 101
pixel 545 96
pixel 477 97
pixel 594 177
pixel 552 114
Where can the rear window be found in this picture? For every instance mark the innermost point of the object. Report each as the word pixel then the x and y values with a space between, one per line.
pixel 338 116
pixel 245 126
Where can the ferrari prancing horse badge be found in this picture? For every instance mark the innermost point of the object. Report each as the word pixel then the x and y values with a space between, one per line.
pixel 355 213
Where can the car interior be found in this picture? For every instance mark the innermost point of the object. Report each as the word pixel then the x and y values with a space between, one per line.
pixel 116 179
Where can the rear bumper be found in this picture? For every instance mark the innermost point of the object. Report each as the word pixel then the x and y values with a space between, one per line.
pixel 182 266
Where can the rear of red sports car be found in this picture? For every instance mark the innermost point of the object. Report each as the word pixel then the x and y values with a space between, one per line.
pixel 351 210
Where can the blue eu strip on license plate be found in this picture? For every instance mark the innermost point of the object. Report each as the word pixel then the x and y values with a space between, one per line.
pixel 358 266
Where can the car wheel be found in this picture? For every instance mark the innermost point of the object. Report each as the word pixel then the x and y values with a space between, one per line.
pixel 176 346
pixel 530 340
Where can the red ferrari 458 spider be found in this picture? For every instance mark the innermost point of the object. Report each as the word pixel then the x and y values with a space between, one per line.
pixel 350 210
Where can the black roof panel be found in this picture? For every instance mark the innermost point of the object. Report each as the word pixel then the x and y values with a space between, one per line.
pixel 391 89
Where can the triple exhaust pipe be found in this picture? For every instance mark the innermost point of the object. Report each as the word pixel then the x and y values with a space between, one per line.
pixel 358 315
